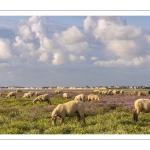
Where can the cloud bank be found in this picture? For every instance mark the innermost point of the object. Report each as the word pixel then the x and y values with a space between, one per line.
pixel 101 42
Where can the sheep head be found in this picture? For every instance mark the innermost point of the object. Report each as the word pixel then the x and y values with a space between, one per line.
pixel 54 118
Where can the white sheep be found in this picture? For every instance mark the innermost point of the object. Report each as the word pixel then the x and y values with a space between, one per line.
pixel 27 95
pixel 141 94
pixel 93 97
pixel 69 109
pixel 37 93
pixel 134 93
pixel 141 105
pixel 65 95
pixel 80 97
pixel 18 91
pixel 104 92
pixel 57 91
pixel 32 93
pixel 96 91
pixel 11 94
pixel 121 91
pixel 109 92
pixel 42 98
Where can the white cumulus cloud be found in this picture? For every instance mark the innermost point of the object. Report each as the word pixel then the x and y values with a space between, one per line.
pixel 5 52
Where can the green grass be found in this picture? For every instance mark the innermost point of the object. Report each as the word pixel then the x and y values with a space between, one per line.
pixel 19 116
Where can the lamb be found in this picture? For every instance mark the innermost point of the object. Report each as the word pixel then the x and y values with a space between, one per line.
pixel 93 97
pixel 65 95
pixel 141 105
pixel 42 98
pixel 11 94
pixel 69 109
pixel 80 97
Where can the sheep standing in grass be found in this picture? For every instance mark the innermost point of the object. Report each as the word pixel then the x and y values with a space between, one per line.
pixel 96 91
pixel 69 109
pixel 32 93
pixel 80 97
pixel 109 92
pixel 11 94
pixel 57 91
pixel 141 94
pixel 121 91
pixel 141 105
pixel 18 91
pixel 65 95
pixel 37 94
pixel 134 93
pixel 27 95
pixel 42 98
pixel 93 97
pixel 115 92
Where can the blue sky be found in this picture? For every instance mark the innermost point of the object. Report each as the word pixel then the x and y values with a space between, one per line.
pixel 74 50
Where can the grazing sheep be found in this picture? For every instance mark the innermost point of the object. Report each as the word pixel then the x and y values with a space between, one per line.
pixel 37 94
pixel 104 92
pixel 80 97
pixel 121 91
pixel 93 97
pixel 69 109
pixel 134 93
pixel 32 93
pixel 115 92
pixel 141 94
pixel 18 91
pixel 57 91
pixel 11 94
pixel 141 105
pixel 65 95
pixel 109 92
pixel 96 91
pixel 42 98
pixel 27 95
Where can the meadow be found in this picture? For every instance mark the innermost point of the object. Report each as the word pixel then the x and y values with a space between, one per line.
pixel 112 114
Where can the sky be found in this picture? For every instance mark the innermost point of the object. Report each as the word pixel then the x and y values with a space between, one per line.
pixel 74 50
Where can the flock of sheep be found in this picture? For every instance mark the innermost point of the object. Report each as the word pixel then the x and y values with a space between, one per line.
pixel 76 107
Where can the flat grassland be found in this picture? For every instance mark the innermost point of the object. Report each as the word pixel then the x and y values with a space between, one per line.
pixel 112 114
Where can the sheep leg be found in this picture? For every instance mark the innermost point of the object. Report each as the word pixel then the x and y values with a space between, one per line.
pixel 50 102
pixel 78 116
pixel 54 120
pixel 83 118
pixel 62 121
pixel 135 116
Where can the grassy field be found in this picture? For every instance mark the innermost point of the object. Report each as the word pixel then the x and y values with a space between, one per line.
pixel 110 115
